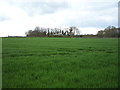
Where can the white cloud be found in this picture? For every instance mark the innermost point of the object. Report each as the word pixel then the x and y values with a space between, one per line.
pixel 89 15
pixel 11 11
pixel 89 30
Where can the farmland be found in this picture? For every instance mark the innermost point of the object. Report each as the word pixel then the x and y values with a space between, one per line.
pixel 60 63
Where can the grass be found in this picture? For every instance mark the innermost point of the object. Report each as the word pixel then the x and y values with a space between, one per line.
pixel 60 63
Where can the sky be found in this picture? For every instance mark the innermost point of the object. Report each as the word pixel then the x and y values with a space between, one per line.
pixel 90 16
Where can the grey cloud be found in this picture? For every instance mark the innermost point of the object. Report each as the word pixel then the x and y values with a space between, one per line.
pixel 100 6
pixel 37 8
pixel 91 22
pixel 3 18
pixel 97 10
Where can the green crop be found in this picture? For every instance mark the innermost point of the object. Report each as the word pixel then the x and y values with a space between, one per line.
pixel 60 63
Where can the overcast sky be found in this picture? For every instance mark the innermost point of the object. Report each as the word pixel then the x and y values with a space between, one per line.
pixel 19 16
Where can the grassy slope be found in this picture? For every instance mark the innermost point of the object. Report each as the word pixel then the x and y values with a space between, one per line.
pixel 59 62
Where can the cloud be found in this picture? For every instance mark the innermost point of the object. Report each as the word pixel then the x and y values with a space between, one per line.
pixel 11 12
pixel 89 30
pixel 87 18
pixel 18 16
pixel 3 18
pixel 39 7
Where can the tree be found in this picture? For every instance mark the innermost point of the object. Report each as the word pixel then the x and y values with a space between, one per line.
pixel 36 33
pixel 100 33
pixel 77 31
pixel 110 31
pixel 28 33
pixel 72 30
pixel 62 32
pixel 48 32
pixel 118 30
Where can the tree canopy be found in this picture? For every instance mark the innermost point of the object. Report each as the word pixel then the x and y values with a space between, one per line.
pixel 110 31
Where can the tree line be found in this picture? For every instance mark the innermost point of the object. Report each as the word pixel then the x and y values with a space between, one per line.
pixel 110 31
pixel 49 32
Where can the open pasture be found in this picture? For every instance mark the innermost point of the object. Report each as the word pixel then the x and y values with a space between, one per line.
pixel 60 62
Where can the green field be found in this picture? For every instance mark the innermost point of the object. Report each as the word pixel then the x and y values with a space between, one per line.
pixel 60 63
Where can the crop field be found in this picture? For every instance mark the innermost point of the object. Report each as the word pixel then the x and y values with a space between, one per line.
pixel 60 63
